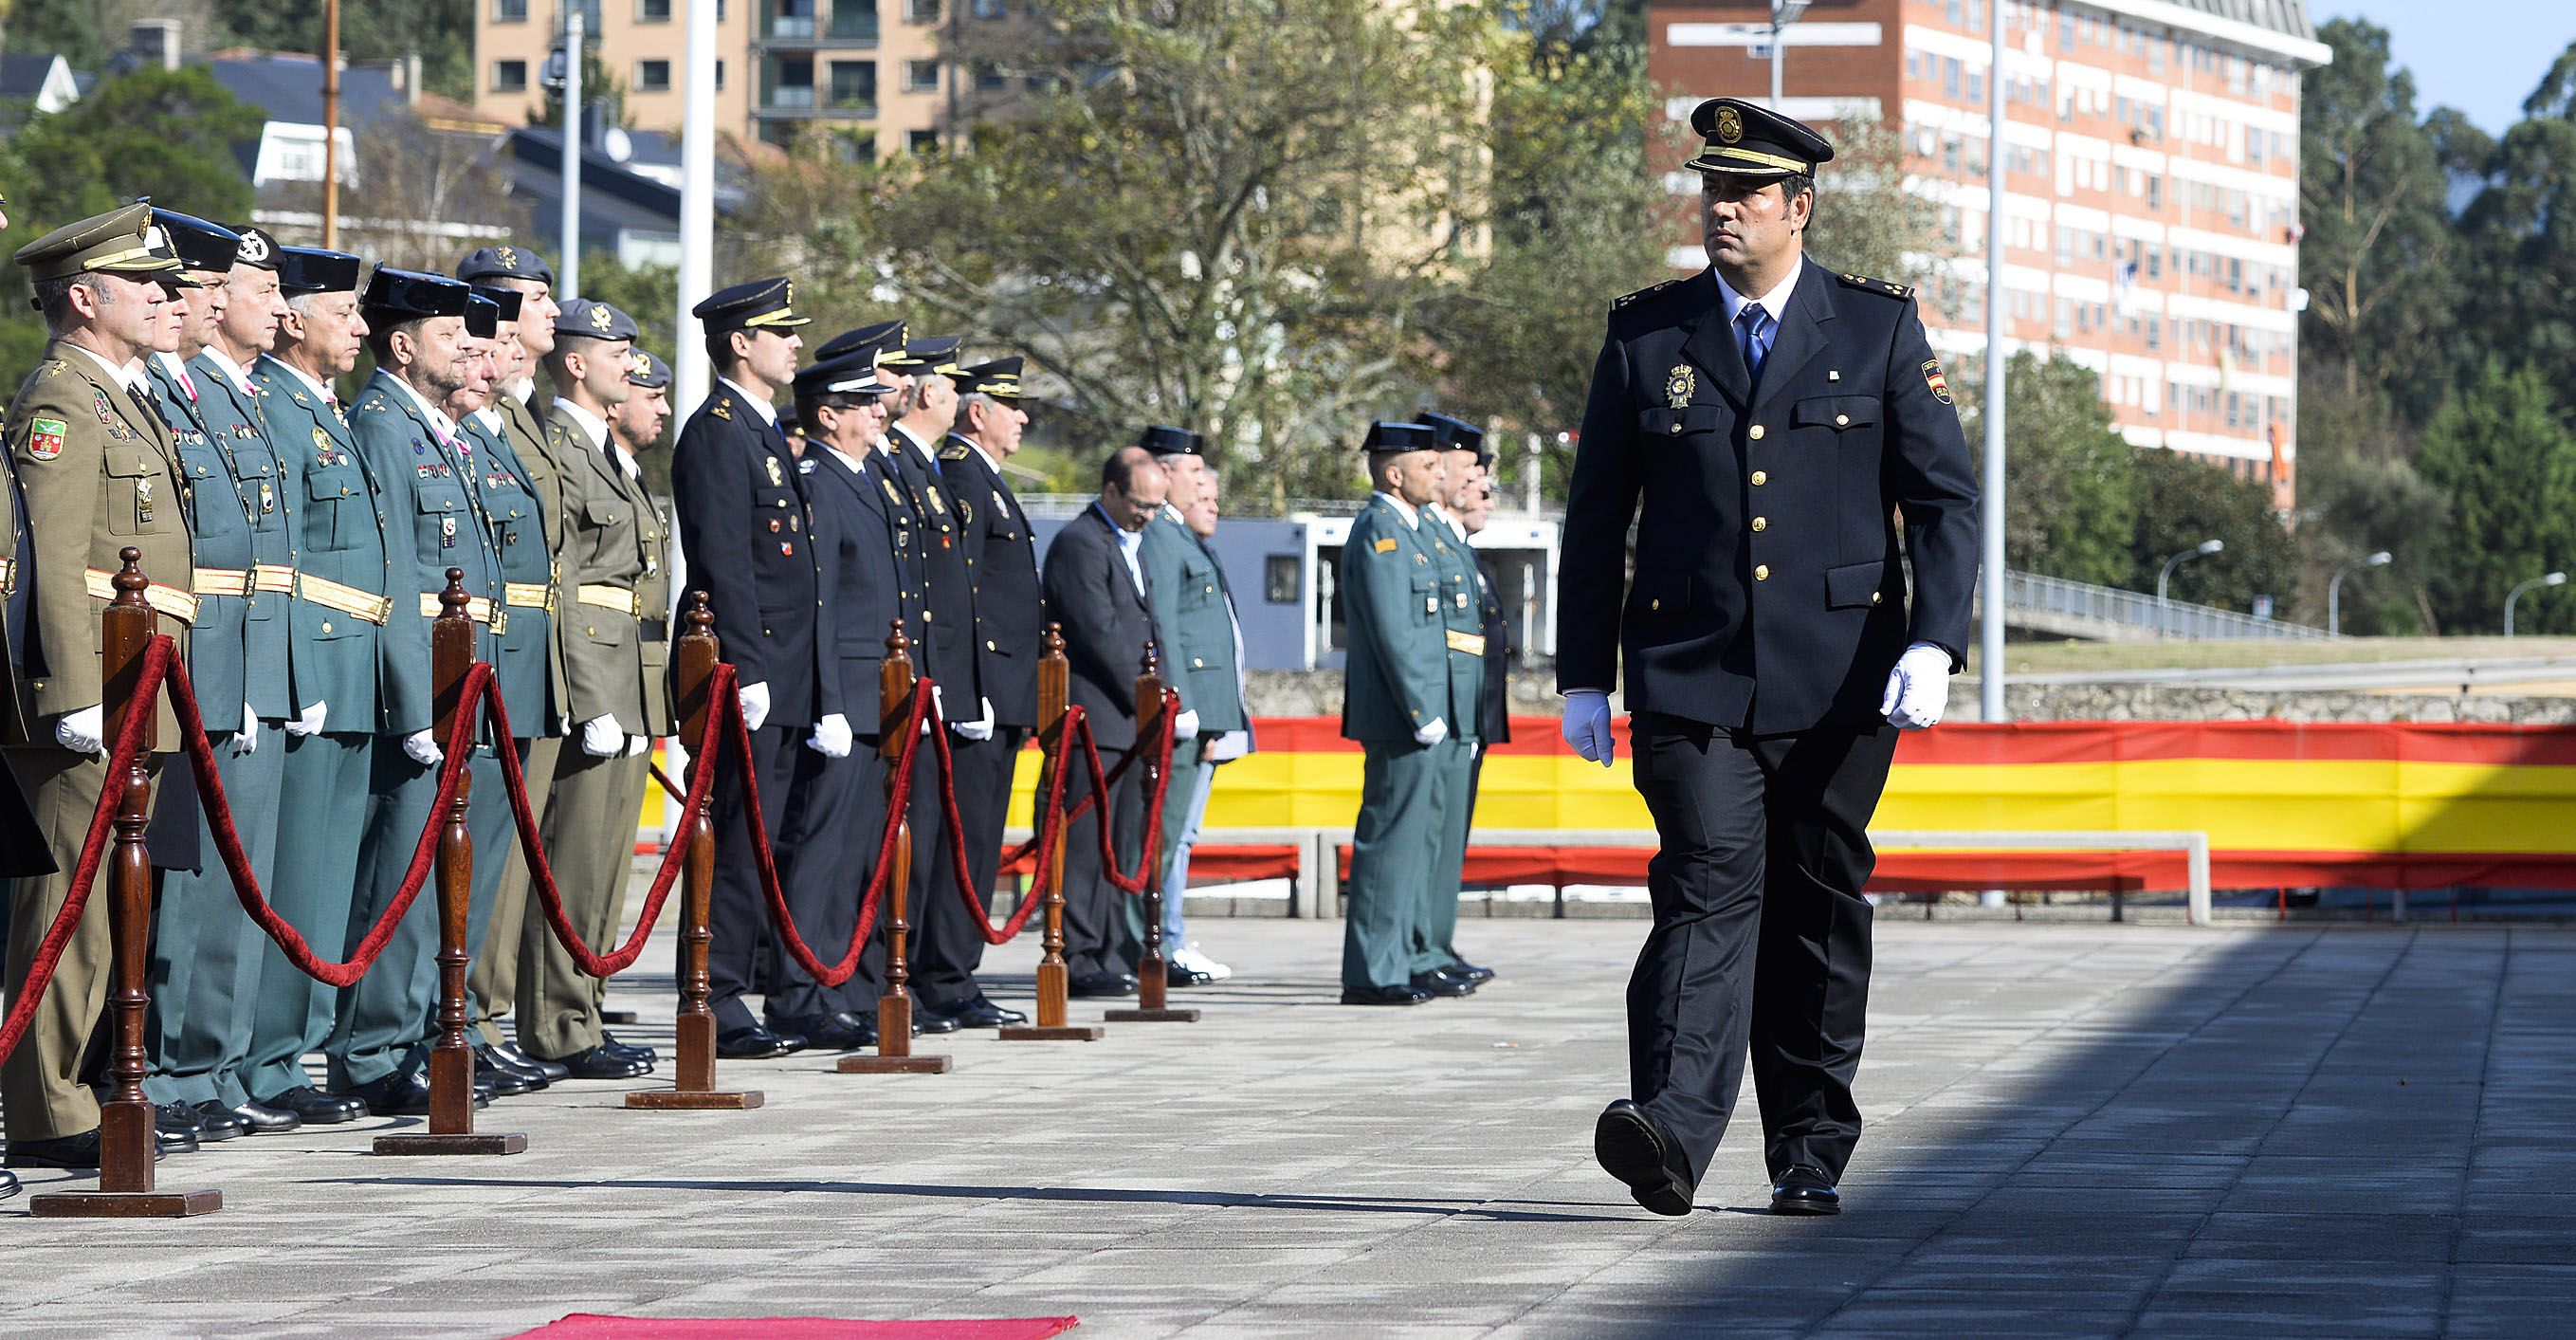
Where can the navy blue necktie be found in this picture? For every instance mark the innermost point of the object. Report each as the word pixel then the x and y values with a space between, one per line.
pixel 1757 338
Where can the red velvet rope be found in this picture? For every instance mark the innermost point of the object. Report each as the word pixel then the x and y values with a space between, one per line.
pixel 1050 829
pixel 831 974
pixel 1013 855
pixel 1135 884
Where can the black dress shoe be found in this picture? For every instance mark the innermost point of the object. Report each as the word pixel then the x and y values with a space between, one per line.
pixel 401 1094
pixel 1442 984
pixel 518 1059
pixel 1804 1189
pixel 316 1108
pixel 928 1020
pixel 175 1127
pixel 508 1078
pixel 644 1054
pixel 1176 975
pixel 1383 995
pixel 1095 985
pixel 865 1025
pixel 826 1031
pixel 8 1184
pixel 983 1013
pixel 1462 968
pixel 76 1152
pixel 265 1120
pixel 218 1122
pixel 1639 1150
pixel 753 1042
pixel 601 1063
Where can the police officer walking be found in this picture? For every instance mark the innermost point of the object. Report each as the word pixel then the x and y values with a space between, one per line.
pixel 1774 417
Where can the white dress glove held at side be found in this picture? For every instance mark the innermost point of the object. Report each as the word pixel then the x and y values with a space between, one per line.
pixel 309 721
pixel 1432 733
pixel 602 737
pixel 755 705
pixel 831 737
pixel 423 750
pixel 248 741
pixel 81 731
pixel 1918 689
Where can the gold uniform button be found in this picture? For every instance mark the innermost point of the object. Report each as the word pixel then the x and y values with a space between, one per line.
pixel 1654 604
pixel 326 627
pixel 1761 523
pixel 1873 597
pixel 1675 430
pixel 1760 478
pixel 1197 664
pixel 1841 419
pixel 1754 432
pixel 1761 572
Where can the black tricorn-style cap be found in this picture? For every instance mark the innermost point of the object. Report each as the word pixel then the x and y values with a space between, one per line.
pixel 1386 436
pixel 314 270
pixel 1167 441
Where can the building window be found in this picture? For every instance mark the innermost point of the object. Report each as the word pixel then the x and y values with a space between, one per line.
pixel 652 11
pixel 720 76
pixel 989 77
pixel 986 9
pixel 922 141
pixel 790 84
pixel 509 11
pixel 854 20
pixel 652 76
pixel 791 19
pixel 854 87
pixel 920 76
pixel 921 11
pixel 509 76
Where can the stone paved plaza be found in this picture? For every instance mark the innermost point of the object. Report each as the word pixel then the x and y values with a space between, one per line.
pixel 2076 1129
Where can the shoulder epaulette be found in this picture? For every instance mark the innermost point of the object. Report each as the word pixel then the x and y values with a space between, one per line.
pixel 1868 285
pixel 954 453
pixel 1649 291
pixel 722 410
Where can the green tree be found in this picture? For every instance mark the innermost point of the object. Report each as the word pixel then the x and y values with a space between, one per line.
pixel 2072 482
pixel 2182 502
pixel 2503 450
pixel 2359 494
pixel 2522 229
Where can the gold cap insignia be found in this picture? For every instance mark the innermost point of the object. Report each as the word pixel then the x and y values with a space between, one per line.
pixel 1730 125
pixel 599 316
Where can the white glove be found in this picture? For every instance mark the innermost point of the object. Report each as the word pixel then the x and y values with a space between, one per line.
pixel 309 721
pixel 1474 747
pixel 248 741
pixel 1186 725
pixel 1433 733
pixel 80 732
pixel 602 737
pixel 831 737
pixel 1587 725
pixel 755 704
pixel 637 744
pixel 423 750
pixel 938 708
pixel 1228 747
pixel 1918 688
pixel 981 728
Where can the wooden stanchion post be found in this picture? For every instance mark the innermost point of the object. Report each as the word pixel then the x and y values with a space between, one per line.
pixel 127 1143
pixel 1055 745
pixel 895 688
pixel 451 1058
pixel 693 1085
pixel 1153 972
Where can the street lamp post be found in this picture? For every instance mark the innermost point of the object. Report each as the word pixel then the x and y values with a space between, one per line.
pixel 2164 577
pixel 1990 574
pixel 1783 13
pixel 2545 579
pixel 2334 590
pixel 563 73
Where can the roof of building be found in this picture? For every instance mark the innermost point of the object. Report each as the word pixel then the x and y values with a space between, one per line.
pixel 24 76
pixel 2281 16
pixel 288 86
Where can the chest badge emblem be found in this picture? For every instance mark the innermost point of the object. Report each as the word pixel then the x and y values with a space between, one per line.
pixel 1678 386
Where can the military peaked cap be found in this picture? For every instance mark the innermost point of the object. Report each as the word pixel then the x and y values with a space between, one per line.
pixel 762 304
pixel 853 373
pixel 999 379
pixel 882 336
pixel 120 242
pixel 1748 139
pixel 200 245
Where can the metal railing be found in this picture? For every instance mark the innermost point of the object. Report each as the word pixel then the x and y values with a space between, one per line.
pixel 2028 592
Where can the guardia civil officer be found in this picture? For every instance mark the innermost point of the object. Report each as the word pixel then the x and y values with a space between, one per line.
pixel 1774 416
pixel 424 473
pixel 344 550
pixel 1406 695
pixel 22 843
pixel 100 473
pixel 747 530
pixel 1183 592
pixel 611 541
pixel 1462 610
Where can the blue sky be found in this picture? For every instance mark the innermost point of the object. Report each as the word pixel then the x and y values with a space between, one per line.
pixel 2481 56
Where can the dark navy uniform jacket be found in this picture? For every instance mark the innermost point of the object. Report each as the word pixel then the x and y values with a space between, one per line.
pixel 947 633
pixel 748 534
pixel 1010 613
pixel 1769 592
pixel 865 536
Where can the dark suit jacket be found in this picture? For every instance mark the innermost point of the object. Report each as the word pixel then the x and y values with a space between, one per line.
pixel 947 583
pixel 1767 550
pixel 747 532
pixel 1089 591
pixel 1010 611
pixel 1498 656
pixel 858 532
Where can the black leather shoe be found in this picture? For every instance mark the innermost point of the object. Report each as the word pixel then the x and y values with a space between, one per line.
pixel 76 1152
pixel 1641 1151
pixel 518 1059
pixel 401 1094
pixel 1096 985
pixel 507 1078
pixel 928 1020
pixel 865 1025
pixel 179 1132
pixel 316 1108
pixel 1442 984
pixel 218 1122
pixel 1462 968
pixel 1804 1189
pixel 753 1042
pixel 1176 975
pixel 826 1031
pixel 645 1054
pixel 8 1184
pixel 265 1120
pixel 1383 995
pixel 981 1012
pixel 601 1063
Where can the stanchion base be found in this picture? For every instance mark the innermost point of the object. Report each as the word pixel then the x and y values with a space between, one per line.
pixel 1151 1016
pixel 672 1100
pixel 477 1143
pixel 893 1065
pixel 621 1018
pixel 123 1204
pixel 1057 1033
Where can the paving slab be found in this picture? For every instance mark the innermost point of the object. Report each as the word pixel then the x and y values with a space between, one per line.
pixel 2072 1129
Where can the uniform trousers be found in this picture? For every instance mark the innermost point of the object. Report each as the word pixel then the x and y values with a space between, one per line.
pixel 1190 776
pixel 40 1085
pixel 738 911
pixel 950 949
pixel 206 955
pixel 1761 935
pixel 589 830
pixel 1093 922
pixel 839 807
pixel 492 984
pixel 1395 846
pixel 1435 915
pixel 322 798
pixel 386 1020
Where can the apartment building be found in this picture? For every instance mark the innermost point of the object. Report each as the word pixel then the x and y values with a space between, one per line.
pixel 870 72
pixel 2151 224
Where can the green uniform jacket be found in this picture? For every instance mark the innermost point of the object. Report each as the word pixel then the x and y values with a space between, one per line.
pixel 1462 621
pixel 336 518
pixel 543 471
pixel 17 567
pixel 522 642
pixel 85 447
pixel 220 540
pixel 425 482
pixel 605 551
pixel 1396 678
pixel 232 417
pixel 1185 591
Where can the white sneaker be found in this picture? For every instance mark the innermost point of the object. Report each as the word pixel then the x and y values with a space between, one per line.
pixel 1191 960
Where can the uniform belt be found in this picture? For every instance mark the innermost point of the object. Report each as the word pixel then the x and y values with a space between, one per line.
pixel 608 597
pixel 222 581
pixel 529 595
pixel 366 605
pixel 277 577
pixel 1471 643
pixel 476 607
pixel 170 600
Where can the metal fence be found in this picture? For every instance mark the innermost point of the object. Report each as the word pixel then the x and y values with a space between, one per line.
pixel 2026 592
